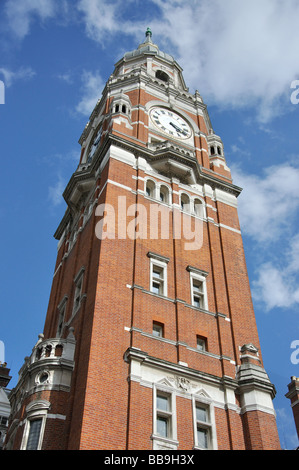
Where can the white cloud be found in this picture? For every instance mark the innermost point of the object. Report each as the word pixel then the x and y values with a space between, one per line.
pixel 21 13
pixel 100 18
pixel 268 204
pixel 236 53
pixel 56 191
pixel 268 211
pixel 92 88
pixel 10 76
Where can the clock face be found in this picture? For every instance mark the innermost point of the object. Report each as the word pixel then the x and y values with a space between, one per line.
pixel 95 144
pixel 170 123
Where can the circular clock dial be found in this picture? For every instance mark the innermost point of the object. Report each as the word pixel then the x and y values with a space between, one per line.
pixel 170 123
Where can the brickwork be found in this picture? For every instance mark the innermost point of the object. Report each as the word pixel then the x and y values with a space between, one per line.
pixel 119 363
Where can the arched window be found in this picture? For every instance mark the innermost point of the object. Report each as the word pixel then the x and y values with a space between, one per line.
pixel 117 108
pixel 164 194
pixel 212 150
pixel 198 208
pixel 123 109
pixel 150 188
pixel 219 150
pixel 162 76
pixel 185 202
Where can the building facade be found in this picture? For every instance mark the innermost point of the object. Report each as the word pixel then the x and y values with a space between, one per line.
pixel 4 401
pixel 150 339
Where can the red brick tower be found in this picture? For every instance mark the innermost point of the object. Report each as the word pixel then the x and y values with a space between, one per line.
pixel 150 339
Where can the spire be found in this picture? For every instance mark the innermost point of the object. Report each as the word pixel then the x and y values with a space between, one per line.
pixel 148 35
pixel 148 41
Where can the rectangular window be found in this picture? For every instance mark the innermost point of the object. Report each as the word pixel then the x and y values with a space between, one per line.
pixel 164 415
pixel 198 287
pixel 158 273
pixel 77 298
pixel 34 434
pixel 201 343
pixel 203 426
pixel 78 290
pixel 197 293
pixel 158 279
pixel 158 330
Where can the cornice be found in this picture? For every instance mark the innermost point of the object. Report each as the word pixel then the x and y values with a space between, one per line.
pixel 85 175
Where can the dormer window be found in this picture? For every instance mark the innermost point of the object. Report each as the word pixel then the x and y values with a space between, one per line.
pixel 162 76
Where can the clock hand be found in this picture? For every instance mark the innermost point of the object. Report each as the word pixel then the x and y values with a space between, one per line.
pixel 176 127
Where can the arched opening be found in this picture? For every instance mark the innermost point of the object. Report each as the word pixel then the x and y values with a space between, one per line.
pixel 164 194
pixel 162 76
pixel 150 188
pixel 185 202
pixel 198 207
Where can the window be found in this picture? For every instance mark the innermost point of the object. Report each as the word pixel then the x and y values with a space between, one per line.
pixel 78 290
pixel 164 194
pixel 61 316
pixel 197 293
pixel 158 329
pixel 162 76
pixel 34 434
pixel 164 415
pixel 158 273
pixel 203 426
pixel 77 299
pixel 158 280
pixel 198 287
pixel 185 202
pixel 35 424
pixel 201 343
pixel 198 208
pixel 150 188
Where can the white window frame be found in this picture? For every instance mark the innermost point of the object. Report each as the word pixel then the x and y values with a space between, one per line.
pixel 61 315
pixel 208 425
pixel 37 409
pixel 165 442
pixel 200 276
pixel 161 263
pixel 153 189
pixel 78 290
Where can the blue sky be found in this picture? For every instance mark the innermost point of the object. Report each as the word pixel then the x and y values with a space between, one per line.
pixel 55 57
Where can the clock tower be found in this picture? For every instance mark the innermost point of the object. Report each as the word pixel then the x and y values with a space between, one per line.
pixel 150 339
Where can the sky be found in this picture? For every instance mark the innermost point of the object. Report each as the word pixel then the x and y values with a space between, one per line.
pixel 55 57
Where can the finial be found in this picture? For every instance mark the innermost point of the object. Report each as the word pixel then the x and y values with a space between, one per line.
pixel 148 32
